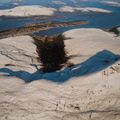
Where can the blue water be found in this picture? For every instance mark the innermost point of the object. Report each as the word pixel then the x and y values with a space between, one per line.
pixel 97 20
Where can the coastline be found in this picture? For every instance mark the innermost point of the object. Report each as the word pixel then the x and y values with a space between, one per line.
pixel 30 29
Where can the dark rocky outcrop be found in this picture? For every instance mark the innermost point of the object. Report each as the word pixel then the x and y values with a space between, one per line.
pixel 51 52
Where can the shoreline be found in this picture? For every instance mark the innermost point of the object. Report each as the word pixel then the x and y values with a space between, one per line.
pixel 30 29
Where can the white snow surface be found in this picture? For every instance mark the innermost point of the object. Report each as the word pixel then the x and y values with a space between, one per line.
pixel 112 3
pixel 88 90
pixel 83 9
pixel 26 11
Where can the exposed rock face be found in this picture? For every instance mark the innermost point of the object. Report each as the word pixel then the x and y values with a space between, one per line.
pixel 89 90
pixel 115 30
pixel 51 52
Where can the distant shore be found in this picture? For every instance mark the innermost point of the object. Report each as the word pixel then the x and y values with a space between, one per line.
pixel 30 29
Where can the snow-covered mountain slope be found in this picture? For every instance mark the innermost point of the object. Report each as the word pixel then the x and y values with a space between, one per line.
pixel 90 90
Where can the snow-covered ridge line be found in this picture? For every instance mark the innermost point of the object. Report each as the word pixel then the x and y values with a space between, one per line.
pixel 116 4
pixel 83 9
pixel 36 10
pixel 26 11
